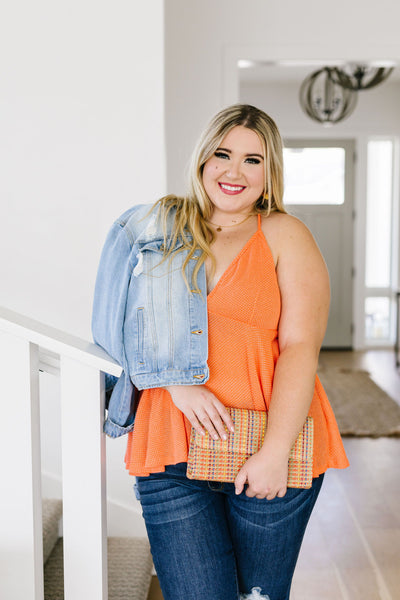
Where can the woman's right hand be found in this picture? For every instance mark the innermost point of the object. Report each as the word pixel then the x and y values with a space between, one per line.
pixel 202 409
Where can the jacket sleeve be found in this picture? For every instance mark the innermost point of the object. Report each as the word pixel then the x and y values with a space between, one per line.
pixel 110 297
pixel 111 290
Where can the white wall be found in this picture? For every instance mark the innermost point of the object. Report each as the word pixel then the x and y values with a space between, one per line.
pixel 82 137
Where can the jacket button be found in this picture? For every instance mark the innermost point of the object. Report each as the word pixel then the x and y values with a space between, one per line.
pixel 199 376
pixel 197 331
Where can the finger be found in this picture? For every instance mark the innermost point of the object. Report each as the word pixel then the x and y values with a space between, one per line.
pixel 282 492
pixel 240 480
pixel 225 416
pixel 218 424
pixel 209 425
pixel 260 494
pixel 194 421
pixel 211 420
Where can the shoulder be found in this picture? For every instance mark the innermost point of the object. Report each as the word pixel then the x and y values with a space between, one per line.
pixel 134 214
pixel 285 234
pixel 278 223
pixel 141 220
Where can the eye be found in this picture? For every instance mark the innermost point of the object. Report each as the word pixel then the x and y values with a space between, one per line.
pixel 253 161
pixel 220 154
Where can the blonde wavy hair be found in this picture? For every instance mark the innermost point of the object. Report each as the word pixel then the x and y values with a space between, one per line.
pixel 195 209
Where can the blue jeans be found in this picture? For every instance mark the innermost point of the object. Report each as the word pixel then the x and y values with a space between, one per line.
pixel 210 544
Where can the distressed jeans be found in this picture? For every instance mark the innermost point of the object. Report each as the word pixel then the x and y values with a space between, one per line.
pixel 210 544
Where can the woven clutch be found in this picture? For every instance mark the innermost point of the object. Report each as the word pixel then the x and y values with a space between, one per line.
pixel 220 460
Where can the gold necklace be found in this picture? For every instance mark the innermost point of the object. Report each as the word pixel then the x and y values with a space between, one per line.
pixel 219 227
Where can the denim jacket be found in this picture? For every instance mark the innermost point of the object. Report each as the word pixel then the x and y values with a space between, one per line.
pixel 144 316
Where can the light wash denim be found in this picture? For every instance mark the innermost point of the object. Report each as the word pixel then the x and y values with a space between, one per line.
pixel 209 543
pixel 145 317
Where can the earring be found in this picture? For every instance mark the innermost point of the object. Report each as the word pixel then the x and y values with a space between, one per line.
pixel 266 197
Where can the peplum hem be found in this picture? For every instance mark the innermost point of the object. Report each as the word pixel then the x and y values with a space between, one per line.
pixel 159 422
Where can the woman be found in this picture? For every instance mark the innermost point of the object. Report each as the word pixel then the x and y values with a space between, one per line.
pixel 219 299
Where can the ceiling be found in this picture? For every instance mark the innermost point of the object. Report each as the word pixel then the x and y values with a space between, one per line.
pixel 293 71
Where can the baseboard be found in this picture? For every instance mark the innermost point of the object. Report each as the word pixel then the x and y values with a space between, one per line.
pixel 51 486
pixel 122 520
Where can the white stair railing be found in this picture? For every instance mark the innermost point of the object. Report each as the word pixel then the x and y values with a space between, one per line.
pixel 83 461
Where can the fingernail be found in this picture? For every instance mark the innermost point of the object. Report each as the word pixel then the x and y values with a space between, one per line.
pixel 233 429
pixel 224 437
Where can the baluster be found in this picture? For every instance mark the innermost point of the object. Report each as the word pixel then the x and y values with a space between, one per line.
pixel 84 481
pixel 21 547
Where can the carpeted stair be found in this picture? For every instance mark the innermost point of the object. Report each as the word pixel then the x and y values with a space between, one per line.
pixel 51 514
pixel 129 561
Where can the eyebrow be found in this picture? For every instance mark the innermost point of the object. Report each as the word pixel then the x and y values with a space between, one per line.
pixel 247 155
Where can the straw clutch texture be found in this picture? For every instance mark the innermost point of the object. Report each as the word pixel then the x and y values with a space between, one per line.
pixel 220 460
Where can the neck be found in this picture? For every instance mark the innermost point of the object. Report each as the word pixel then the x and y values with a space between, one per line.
pixel 222 220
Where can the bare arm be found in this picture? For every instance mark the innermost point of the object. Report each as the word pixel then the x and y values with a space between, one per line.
pixel 304 285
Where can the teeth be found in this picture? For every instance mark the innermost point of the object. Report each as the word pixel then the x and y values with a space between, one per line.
pixel 232 188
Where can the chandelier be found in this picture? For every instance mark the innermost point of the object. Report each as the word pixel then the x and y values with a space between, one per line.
pixel 359 77
pixel 324 99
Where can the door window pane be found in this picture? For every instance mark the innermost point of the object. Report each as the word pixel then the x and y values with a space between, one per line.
pixel 379 210
pixel 314 175
pixel 377 318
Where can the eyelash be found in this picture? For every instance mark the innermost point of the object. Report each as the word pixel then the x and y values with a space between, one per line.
pixel 251 161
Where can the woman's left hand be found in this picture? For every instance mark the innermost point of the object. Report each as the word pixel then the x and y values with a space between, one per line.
pixel 266 476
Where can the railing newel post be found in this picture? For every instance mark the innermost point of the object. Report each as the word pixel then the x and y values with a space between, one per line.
pixel 84 481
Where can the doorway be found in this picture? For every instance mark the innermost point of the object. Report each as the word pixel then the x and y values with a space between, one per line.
pixel 319 190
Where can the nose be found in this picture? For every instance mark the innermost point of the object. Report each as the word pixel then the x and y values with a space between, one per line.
pixel 233 169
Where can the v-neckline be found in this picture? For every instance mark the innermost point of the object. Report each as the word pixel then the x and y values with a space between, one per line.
pixel 233 261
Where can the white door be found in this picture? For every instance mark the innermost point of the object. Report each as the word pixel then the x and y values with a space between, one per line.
pixel 319 183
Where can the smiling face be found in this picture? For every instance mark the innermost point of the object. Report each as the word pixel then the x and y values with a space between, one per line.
pixel 233 177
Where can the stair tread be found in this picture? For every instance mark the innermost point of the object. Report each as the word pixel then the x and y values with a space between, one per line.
pixel 51 515
pixel 129 570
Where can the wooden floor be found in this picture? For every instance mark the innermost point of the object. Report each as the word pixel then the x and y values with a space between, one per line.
pixel 351 550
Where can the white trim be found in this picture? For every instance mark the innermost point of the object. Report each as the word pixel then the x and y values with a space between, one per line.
pixel 57 341
pixel 359 242
pixel 388 291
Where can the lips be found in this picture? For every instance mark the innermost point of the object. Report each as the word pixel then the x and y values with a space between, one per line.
pixel 231 189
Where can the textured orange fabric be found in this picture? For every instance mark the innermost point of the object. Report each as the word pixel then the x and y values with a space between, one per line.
pixel 243 316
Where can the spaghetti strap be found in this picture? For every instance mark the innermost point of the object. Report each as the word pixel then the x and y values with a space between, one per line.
pixel 259 221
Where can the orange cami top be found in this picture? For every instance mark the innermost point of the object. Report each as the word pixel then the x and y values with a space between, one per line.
pixel 243 315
